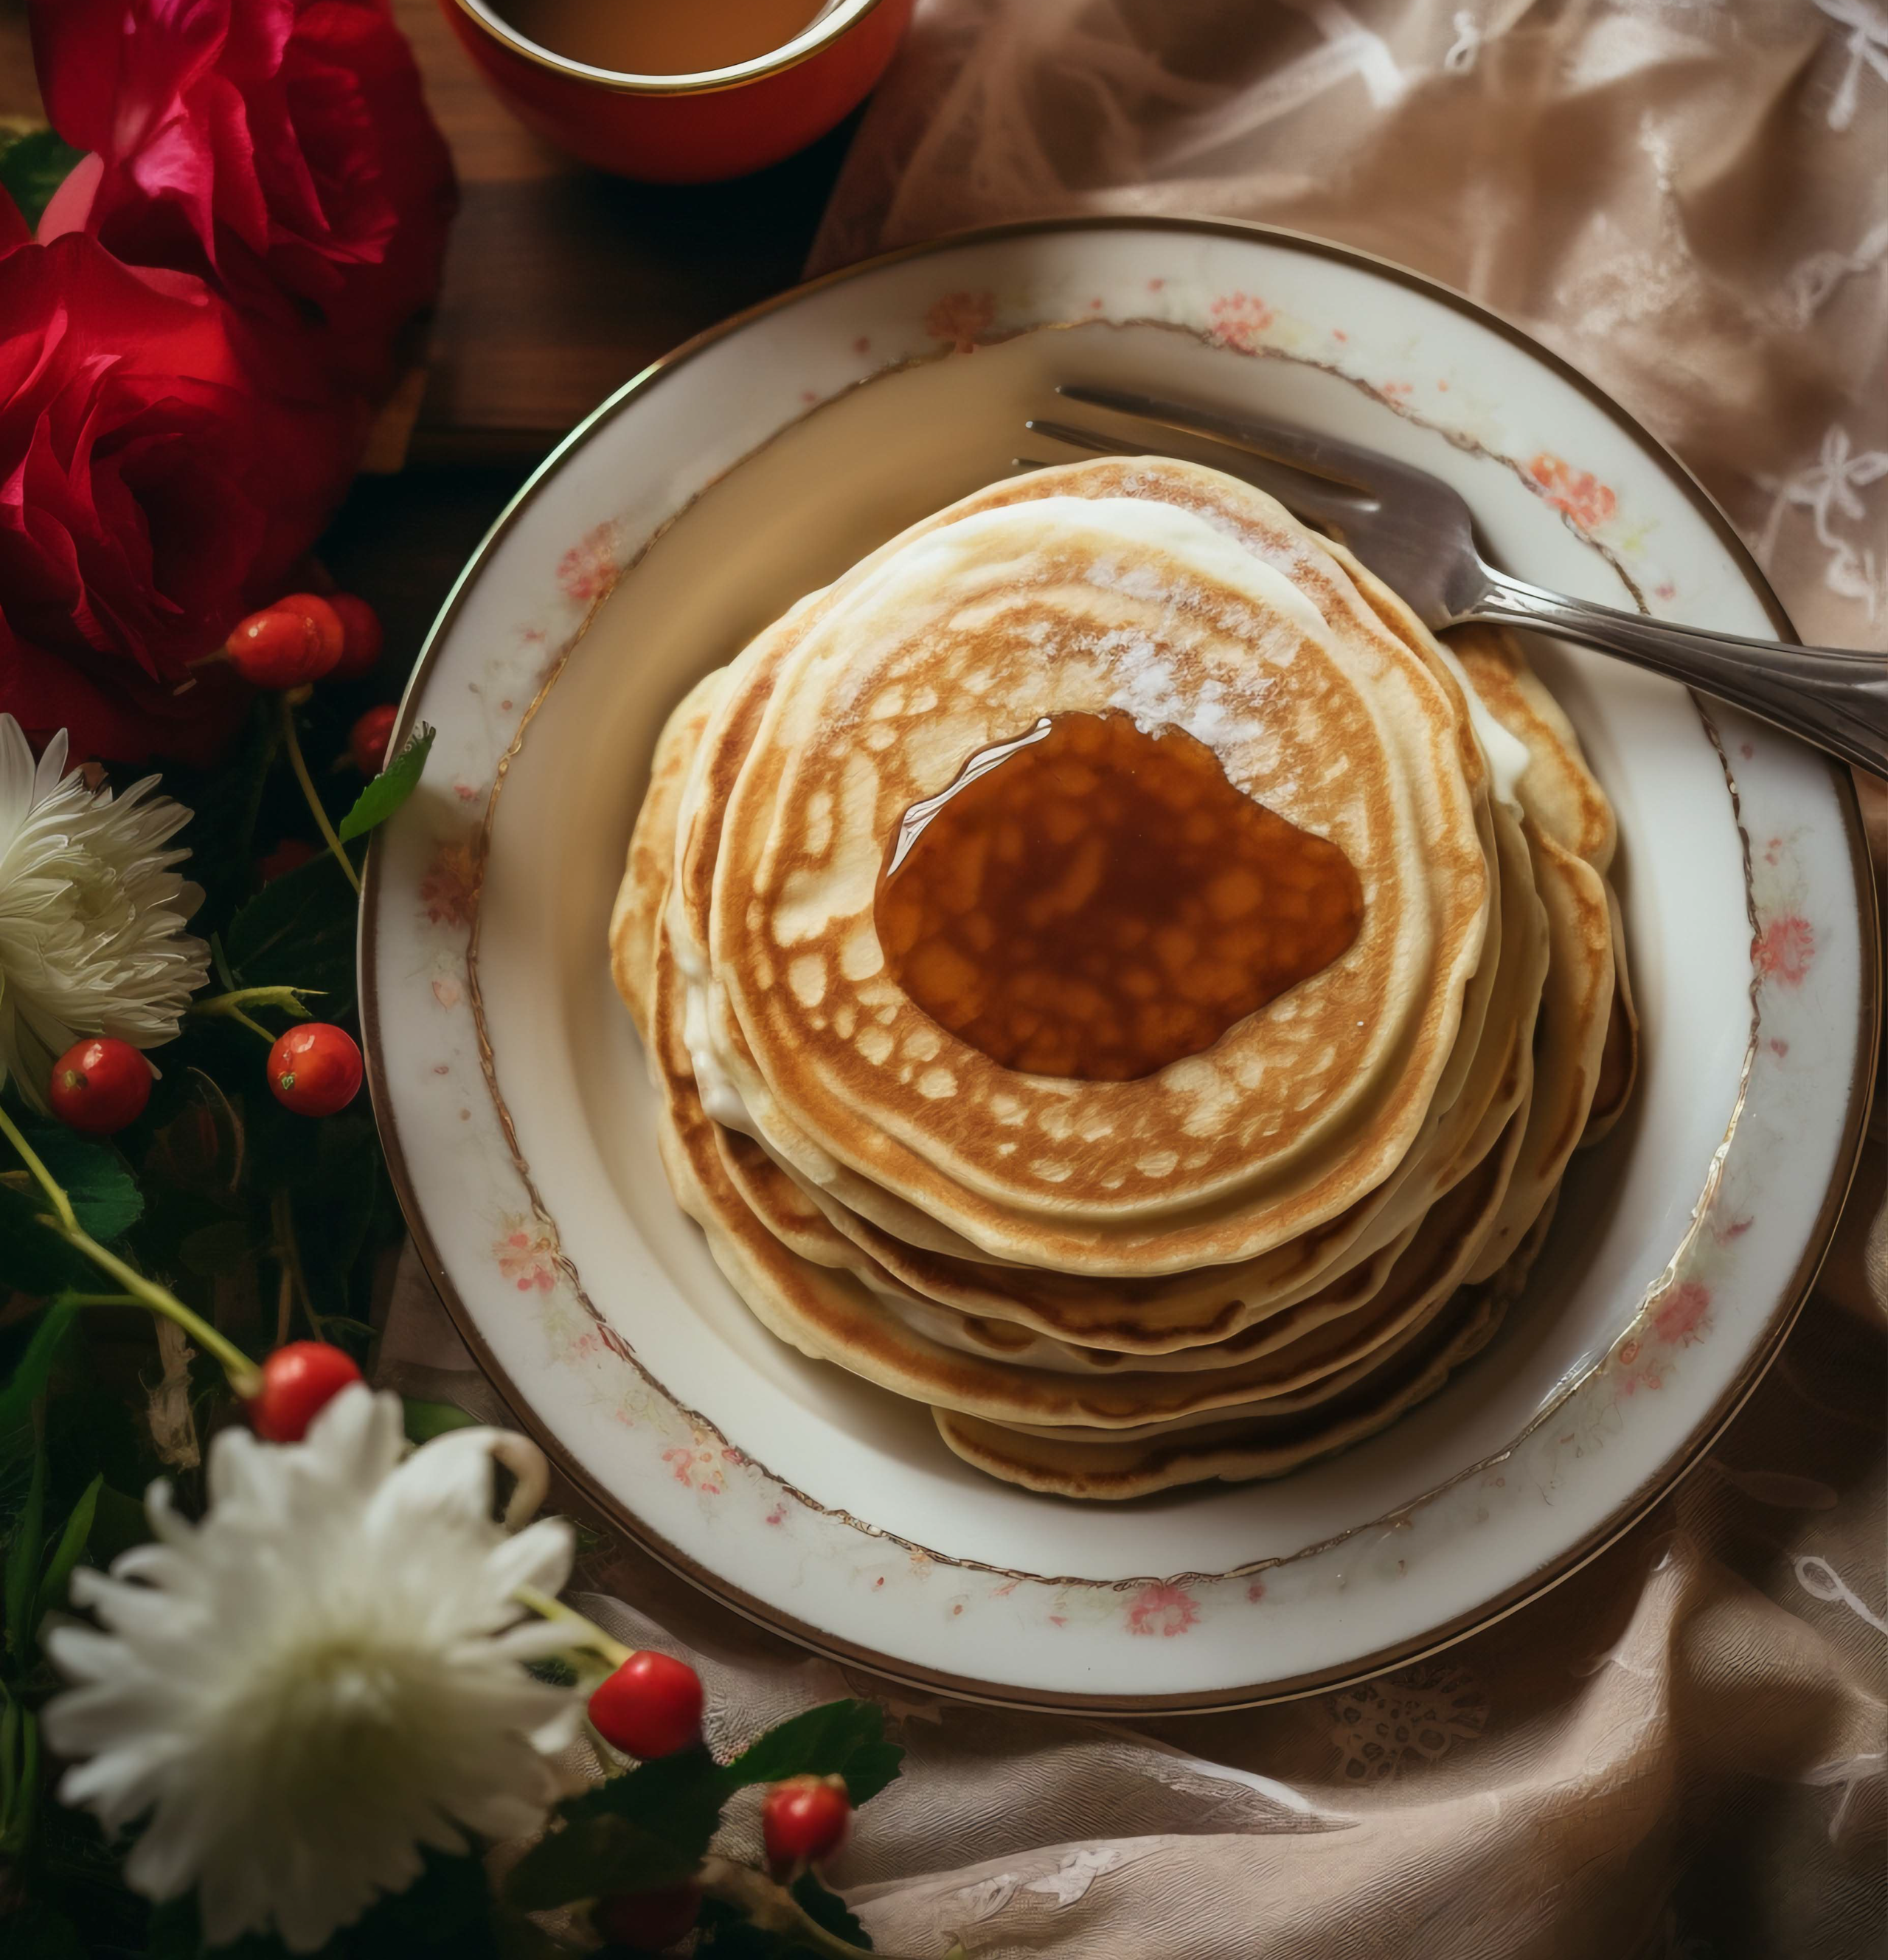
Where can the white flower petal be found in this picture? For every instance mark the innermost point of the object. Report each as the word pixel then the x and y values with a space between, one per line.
pixel 560 1732
pixel 81 1655
pixel 321 1679
pixel 360 1436
pixel 161 1513
pixel 540 1555
pixel 451 1476
pixel 91 913
pixel 163 1863
pixel 532 1640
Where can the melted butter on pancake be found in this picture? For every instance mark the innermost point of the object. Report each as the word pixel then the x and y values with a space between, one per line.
pixel 1102 902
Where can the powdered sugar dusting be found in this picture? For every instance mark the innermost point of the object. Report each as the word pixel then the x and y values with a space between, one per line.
pixel 1145 685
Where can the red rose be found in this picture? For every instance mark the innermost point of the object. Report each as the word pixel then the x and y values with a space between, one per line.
pixel 279 149
pixel 155 482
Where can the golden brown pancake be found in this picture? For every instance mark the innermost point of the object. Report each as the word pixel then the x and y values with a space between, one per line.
pixel 966 632
pixel 1257 1253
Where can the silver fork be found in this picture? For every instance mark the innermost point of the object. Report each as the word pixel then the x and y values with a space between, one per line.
pixel 1417 535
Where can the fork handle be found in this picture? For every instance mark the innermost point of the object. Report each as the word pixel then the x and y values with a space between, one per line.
pixel 1831 696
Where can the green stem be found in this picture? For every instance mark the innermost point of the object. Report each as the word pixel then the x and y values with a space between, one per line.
pixel 245 1378
pixel 301 768
pixel 231 1005
pixel 42 1176
pixel 588 1634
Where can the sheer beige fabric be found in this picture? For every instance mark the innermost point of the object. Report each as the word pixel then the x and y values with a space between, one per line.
pixel 1688 199
pixel 1681 1751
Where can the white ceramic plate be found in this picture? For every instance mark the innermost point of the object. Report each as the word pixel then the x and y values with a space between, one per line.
pixel 759 461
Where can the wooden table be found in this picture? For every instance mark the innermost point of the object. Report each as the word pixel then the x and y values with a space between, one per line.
pixel 560 284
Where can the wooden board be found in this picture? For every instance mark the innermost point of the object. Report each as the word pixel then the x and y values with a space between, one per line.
pixel 560 283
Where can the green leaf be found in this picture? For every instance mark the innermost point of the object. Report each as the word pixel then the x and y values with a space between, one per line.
pixel 23 1560
pixel 97 1179
pixel 390 788
pixel 648 1827
pixel 844 1739
pixel 34 1258
pixel 426 1420
pixel 33 166
pixel 602 1854
pixel 298 931
pixel 65 1553
pixel 21 1388
pixel 828 1910
pixel 118 1523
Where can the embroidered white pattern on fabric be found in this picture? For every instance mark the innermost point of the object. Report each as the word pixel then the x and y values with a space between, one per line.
pixel 1812 281
pixel 1467 44
pixel 1821 1580
pixel 1866 45
pixel 1071 1878
pixel 1827 488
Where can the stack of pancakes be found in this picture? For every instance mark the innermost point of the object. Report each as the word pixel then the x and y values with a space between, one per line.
pixel 1258 1254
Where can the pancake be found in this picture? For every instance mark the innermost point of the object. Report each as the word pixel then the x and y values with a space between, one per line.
pixel 1171 1313
pixel 1238 1452
pixel 1241 1260
pixel 652 865
pixel 756 1218
pixel 1161 1316
pixel 1074 602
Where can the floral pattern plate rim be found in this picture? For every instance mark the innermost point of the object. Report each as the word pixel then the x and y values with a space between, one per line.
pixel 757 463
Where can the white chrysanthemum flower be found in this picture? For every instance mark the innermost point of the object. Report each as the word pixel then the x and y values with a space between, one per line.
pixel 322 1677
pixel 91 914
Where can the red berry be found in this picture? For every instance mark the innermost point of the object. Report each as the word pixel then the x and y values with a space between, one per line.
pixel 361 627
pixel 646 1922
pixel 315 1069
pixel 280 648
pixel 320 613
pixel 298 1382
pixel 368 738
pixel 100 1085
pixel 290 854
pixel 651 1706
pixel 804 1819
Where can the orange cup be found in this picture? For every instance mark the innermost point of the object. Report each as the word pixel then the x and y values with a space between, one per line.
pixel 688 128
